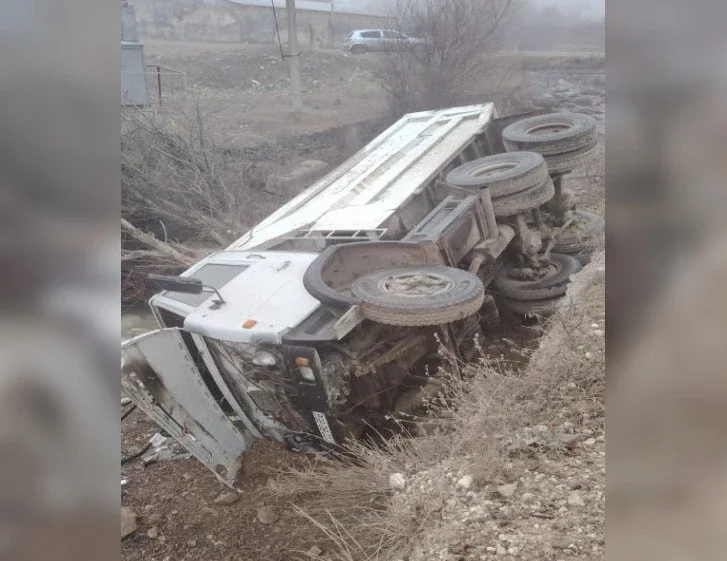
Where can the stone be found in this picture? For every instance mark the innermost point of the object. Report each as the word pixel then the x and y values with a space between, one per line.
pixel 465 482
pixel 154 519
pixel 153 532
pixel 191 543
pixel 507 490
pixel 589 442
pixel 266 515
pixel 397 481
pixel 227 498
pixel 315 551
pixel 501 550
pixel 575 499
pixel 128 521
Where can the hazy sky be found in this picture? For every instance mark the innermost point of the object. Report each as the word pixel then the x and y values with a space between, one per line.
pixel 586 8
pixel 590 8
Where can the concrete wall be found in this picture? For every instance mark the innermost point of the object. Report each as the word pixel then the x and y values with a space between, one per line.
pixel 223 21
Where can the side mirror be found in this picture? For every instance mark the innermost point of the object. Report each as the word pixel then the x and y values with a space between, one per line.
pixel 174 283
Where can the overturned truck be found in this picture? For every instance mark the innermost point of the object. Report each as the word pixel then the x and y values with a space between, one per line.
pixel 327 316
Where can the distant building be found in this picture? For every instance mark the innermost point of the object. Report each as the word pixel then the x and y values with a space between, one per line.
pixel 134 87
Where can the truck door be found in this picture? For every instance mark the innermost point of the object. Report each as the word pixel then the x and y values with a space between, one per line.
pixel 161 378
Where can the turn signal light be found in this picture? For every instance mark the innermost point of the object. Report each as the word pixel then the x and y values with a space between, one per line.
pixel 302 361
pixel 249 323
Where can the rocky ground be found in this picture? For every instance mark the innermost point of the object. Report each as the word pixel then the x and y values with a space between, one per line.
pixel 550 510
pixel 580 91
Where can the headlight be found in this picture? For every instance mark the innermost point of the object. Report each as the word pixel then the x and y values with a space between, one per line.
pixel 264 358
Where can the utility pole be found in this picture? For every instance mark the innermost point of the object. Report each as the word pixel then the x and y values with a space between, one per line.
pixel 296 97
pixel 332 25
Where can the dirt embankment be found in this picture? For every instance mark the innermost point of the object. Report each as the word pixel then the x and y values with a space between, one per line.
pixel 516 469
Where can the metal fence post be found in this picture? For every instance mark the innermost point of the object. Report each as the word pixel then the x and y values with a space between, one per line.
pixel 159 83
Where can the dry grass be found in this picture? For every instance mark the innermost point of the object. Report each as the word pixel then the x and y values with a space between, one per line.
pixel 173 172
pixel 472 431
pixel 590 181
pixel 180 187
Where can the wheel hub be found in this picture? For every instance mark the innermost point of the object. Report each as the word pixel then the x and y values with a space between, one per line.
pixel 546 269
pixel 486 170
pixel 415 284
pixel 549 128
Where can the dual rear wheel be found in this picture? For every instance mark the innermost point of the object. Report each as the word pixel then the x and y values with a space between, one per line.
pixel 430 295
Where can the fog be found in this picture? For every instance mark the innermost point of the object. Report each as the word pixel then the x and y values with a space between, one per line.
pixel 589 10
pixel 593 10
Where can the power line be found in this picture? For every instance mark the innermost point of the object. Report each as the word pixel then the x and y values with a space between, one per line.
pixel 277 30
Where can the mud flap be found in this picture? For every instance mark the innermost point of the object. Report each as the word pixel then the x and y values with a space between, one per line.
pixel 160 377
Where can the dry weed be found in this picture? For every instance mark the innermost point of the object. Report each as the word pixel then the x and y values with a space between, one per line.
pixel 177 186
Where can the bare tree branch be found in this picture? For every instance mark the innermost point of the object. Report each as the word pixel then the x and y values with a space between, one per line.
pixel 158 245
pixel 456 37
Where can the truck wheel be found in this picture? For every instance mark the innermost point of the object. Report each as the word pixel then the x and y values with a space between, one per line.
pixel 563 163
pixel 418 295
pixel 580 236
pixel 554 133
pixel 510 205
pixel 504 174
pixel 358 50
pixel 552 284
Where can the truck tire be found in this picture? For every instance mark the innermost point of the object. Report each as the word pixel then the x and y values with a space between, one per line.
pixel 510 205
pixel 553 133
pixel 418 295
pixel 552 285
pixel 504 174
pixel 563 163
pixel 358 50
pixel 582 238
